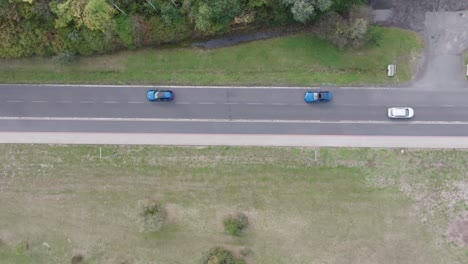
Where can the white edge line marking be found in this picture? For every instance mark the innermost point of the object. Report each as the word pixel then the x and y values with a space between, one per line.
pixel 235 120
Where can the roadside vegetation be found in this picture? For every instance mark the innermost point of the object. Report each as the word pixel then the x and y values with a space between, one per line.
pixel 79 42
pixel 294 60
pixel 85 27
pixel 465 57
pixel 62 203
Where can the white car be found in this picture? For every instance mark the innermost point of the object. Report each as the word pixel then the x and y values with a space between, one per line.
pixel 400 112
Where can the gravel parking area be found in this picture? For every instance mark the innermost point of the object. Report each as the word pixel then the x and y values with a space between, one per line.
pixel 443 24
pixel 410 14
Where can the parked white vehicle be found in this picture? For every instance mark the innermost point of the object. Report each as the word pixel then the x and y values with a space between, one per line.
pixel 400 112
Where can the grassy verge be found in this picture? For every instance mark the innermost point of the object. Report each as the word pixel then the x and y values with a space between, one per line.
pixel 296 60
pixel 465 59
pixel 351 206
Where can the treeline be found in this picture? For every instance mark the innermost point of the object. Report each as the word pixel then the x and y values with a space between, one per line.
pixel 85 27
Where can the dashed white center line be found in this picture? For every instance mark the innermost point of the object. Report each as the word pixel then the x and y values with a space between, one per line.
pixel 206 103
pixel 279 104
pixel 14 101
pixel 65 102
pixel 447 105
pixel 86 102
pixel 231 103
pixel 182 103
pixel 136 102
pixel 255 103
pixel 39 101
pixel 111 102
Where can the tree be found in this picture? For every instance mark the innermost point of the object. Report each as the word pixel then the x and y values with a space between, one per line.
pixel 212 16
pixel 68 12
pixel 97 15
pixel 93 14
pixel 305 10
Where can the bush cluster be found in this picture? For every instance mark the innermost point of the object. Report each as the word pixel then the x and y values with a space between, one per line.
pixel 352 29
pixel 219 255
pixel 234 224
pixel 152 215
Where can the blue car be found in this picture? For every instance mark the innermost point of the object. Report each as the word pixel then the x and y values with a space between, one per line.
pixel 159 95
pixel 320 96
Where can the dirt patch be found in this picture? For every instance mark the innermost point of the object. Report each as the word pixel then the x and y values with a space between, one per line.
pixel 458 230
pixel 77 259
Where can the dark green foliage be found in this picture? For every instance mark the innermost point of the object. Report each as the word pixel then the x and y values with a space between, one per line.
pixel 158 32
pixel 351 31
pixel 213 16
pixel 374 35
pixel 65 58
pixel 342 6
pixel 234 224
pixel 124 28
pixel 219 255
pixel 273 14
pixel 170 13
pixel 91 42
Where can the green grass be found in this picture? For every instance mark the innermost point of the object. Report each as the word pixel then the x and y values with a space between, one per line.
pixel 465 59
pixel 294 60
pixel 352 206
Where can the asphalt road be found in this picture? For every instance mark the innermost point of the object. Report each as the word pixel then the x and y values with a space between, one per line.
pixel 353 111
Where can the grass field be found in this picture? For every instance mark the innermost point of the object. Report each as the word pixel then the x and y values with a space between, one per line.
pixel 465 58
pixel 349 206
pixel 295 60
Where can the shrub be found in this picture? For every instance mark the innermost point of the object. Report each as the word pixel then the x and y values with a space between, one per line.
pixel 152 216
pixel 351 32
pixel 212 16
pixel 245 252
pixel 219 255
pixel 234 224
pixel 342 6
pixel 21 247
pixel 158 32
pixel 65 58
pixel 124 27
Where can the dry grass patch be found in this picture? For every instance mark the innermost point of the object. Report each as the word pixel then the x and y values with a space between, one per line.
pixel 331 211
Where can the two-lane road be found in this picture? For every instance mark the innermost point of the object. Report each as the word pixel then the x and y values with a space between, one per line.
pixel 353 111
